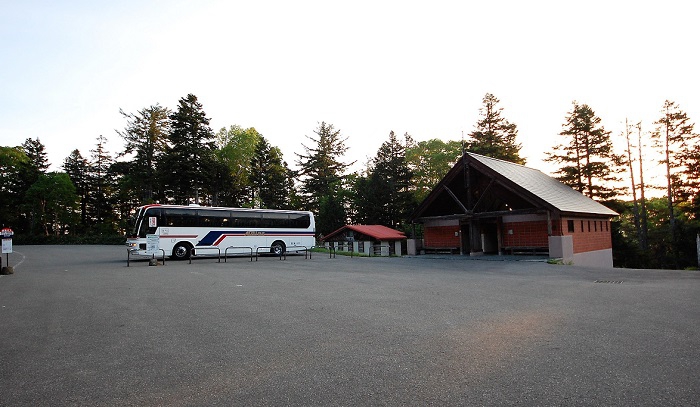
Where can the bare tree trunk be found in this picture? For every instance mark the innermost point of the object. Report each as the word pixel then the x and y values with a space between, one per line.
pixel 637 225
pixel 643 238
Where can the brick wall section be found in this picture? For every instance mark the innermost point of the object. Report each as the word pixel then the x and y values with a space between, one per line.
pixel 441 236
pixel 599 238
pixel 533 234
pixel 525 234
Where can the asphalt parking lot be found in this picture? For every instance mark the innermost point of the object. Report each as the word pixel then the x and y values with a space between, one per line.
pixel 78 327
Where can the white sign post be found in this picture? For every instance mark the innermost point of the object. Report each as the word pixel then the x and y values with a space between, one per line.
pixel 6 234
pixel 6 246
pixel 152 247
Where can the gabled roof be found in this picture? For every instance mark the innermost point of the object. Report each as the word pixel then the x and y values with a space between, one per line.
pixel 478 185
pixel 560 196
pixel 377 232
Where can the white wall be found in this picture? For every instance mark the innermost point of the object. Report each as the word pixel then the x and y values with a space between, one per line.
pixel 598 258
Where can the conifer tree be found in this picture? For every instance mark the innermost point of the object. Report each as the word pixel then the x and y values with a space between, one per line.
pixel 675 137
pixel 384 196
pixel 29 174
pixel 321 170
pixel 78 170
pixel 145 136
pixel 101 187
pixel 494 136
pixel 588 162
pixel 188 164
pixel 38 161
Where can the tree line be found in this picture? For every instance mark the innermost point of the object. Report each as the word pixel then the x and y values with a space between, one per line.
pixel 173 156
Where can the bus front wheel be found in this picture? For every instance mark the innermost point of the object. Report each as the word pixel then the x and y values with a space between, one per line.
pixel 277 248
pixel 182 251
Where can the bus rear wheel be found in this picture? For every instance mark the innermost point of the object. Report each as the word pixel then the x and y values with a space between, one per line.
pixel 277 248
pixel 182 251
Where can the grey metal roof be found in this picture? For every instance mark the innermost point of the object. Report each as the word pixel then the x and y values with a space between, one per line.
pixel 550 190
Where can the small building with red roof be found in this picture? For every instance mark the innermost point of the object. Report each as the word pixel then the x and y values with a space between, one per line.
pixel 367 239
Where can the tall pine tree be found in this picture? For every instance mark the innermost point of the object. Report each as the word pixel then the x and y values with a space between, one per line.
pixel 588 162
pixel 78 169
pixel 101 188
pixel 321 170
pixel 494 136
pixel 385 197
pixel 675 137
pixel 146 137
pixel 188 164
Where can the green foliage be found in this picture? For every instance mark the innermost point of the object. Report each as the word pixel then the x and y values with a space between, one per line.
pixel 384 196
pixel 13 161
pixel 588 162
pixel 51 201
pixel 331 213
pixel 268 177
pixel 660 252
pixel 494 136
pixel 429 161
pixel 235 150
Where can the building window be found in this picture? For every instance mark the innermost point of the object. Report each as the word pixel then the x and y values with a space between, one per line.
pixel 595 226
pixel 606 226
pixel 570 225
pixel 589 225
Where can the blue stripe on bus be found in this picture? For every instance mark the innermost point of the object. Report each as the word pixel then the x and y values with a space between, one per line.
pixel 215 236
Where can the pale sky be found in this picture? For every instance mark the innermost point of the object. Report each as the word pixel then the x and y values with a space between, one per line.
pixel 367 67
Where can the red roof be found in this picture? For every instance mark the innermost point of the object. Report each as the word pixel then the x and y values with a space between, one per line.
pixel 378 232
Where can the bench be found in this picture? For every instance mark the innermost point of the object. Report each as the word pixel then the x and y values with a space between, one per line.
pixel 441 250
pixel 534 250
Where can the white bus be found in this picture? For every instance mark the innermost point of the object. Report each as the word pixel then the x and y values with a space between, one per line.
pixel 183 228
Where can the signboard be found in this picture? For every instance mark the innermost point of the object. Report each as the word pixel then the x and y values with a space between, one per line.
pixel 152 222
pixel 6 234
pixel 152 244
pixel 6 246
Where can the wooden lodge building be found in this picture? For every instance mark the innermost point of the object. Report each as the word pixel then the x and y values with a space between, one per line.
pixel 489 206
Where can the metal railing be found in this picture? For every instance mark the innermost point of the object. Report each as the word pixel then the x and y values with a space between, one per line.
pixel 307 251
pixel 283 254
pixel 205 248
pixel 238 248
